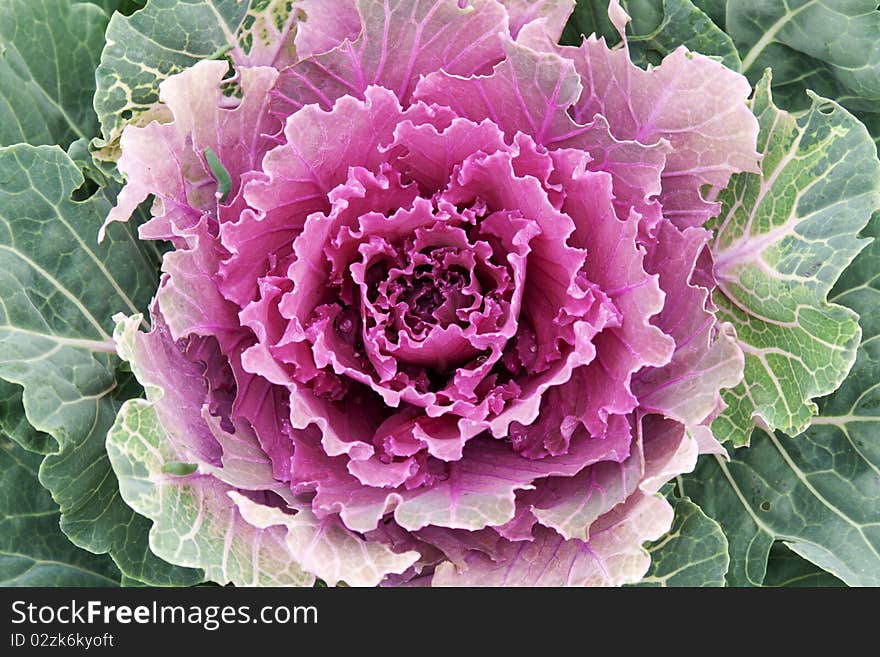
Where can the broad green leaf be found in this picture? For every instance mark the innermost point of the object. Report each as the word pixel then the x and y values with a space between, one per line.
pixel 693 553
pixel 15 426
pixel 168 36
pixel 48 53
pixel 33 551
pixel 872 123
pixel 657 28
pixel 782 239
pixel 819 493
pixel 787 569
pixel 714 9
pixel 830 47
pixel 793 490
pixel 60 289
pixel 591 17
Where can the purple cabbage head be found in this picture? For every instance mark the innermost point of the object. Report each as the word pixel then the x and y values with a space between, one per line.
pixel 457 300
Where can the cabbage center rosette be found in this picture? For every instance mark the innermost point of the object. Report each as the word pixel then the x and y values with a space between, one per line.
pixel 452 322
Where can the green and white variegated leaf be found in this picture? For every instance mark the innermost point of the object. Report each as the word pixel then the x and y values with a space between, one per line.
pixel 787 569
pixel 60 289
pixel 97 173
pixel 196 523
pixel 782 239
pixel 48 53
pixel 693 553
pixel 168 36
pixel 818 493
pixel 33 551
pixel 657 28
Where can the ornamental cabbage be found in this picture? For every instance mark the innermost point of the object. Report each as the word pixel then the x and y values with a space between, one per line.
pixel 437 313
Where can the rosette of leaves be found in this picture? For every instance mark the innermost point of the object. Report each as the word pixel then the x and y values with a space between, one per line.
pixel 110 488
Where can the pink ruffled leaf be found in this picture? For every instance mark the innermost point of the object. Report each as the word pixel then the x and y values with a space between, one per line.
pixel 707 358
pixel 551 14
pixel 399 41
pixel 325 547
pixel 612 556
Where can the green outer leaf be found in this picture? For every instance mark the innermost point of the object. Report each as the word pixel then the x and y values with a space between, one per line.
pixel 693 553
pixel 781 242
pixel 164 38
pixel 714 9
pixel 819 492
pixel 591 17
pixel 787 569
pixel 791 489
pixel 48 53
pixel 829 47
pixel 657 28
pixel 60 290
pixel 33 551
pixel 126 7
pixel 14 425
